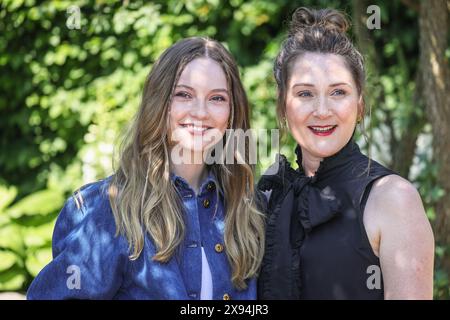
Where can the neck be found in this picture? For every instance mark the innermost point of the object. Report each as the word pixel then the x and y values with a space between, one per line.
pixel 194 173
pixel 310 163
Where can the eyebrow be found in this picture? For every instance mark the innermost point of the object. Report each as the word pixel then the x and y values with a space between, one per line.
pixel 311 85
pixel 192 89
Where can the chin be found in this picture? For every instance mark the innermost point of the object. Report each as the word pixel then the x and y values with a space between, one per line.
pixel 194 149
pixel 324 150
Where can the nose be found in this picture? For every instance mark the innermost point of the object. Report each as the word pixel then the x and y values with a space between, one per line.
pixel 199 109
pixel 322 109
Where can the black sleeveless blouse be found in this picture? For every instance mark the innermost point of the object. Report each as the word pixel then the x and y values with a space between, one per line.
pixel 316 243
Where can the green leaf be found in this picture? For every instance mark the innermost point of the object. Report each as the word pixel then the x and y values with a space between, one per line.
pixel 36 261
pixel 38 236
pixel 39 203
pixel 11 238
pixel 7 195
pixel 7 260
pixel 13 279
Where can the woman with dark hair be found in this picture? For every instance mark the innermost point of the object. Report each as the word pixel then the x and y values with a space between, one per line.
pixel 168 224
pixel 341 226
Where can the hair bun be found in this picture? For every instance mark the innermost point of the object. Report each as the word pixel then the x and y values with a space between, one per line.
pixel 329 19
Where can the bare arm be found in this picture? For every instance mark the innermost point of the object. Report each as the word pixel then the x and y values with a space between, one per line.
pixel 396 219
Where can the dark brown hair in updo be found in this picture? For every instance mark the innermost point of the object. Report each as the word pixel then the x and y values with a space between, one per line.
pixel 321 31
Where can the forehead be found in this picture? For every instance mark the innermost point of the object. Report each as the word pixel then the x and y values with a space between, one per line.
pixel 311 67
pixel 204 73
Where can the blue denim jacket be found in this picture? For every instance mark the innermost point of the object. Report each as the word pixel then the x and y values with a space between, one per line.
pixel 90 262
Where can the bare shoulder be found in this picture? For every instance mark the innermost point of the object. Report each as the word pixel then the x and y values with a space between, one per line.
pixel 394 206
pixel 401 235
pixel 396 195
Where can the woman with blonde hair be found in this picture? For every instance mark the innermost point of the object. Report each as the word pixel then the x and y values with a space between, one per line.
pixel 168 224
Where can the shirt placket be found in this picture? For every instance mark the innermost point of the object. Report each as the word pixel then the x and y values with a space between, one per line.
pixel 213 242
pixel 191 261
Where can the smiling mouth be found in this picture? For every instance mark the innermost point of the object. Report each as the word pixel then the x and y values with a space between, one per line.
pixel 195 128
pixel 322 130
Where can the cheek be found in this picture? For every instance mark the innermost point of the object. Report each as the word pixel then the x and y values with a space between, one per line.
pixel 220 114
pixel 347 112
pixel 296 114
pixel 177 112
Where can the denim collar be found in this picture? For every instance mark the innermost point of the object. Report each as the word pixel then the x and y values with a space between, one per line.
pixel 209 184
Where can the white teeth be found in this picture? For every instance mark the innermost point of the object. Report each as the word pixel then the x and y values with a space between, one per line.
pixel 322 129
pixel 195 128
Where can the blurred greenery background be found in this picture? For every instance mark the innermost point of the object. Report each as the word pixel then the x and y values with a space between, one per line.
pixel 67 93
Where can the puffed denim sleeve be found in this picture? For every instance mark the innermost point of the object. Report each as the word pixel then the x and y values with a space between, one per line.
pixel 89 261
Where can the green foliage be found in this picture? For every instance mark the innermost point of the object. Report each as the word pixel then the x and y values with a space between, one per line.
pixel 68 94
pixel 25 235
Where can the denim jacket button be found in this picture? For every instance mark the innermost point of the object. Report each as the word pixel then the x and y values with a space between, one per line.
pixel 226 296
pixel 210 186
pixel 218 247
pixel 206 203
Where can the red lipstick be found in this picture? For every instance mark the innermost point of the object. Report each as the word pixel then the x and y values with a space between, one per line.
pixel 322 130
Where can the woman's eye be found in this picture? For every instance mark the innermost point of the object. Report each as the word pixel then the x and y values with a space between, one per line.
pixel 338 92
pixel 218 99
pixel 304 94
pixel 183 94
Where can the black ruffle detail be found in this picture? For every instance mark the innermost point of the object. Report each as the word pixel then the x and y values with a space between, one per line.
pixel 293 199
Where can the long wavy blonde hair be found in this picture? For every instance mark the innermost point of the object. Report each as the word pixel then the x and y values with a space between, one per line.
pixel 142 196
